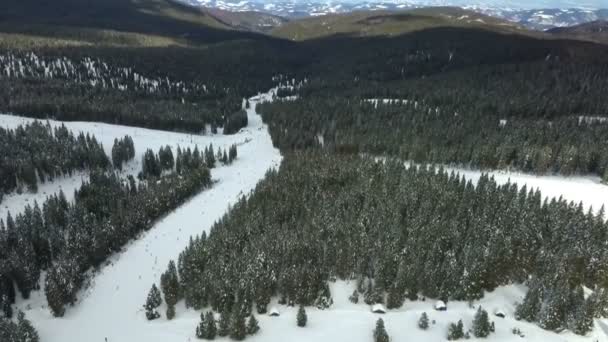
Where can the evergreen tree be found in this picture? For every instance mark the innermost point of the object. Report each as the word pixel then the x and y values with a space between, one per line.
pixel 455 331
pixel 6 307
pixel 354 298
pixel 380 334
pixel 153 301
pixel 583 318
pixel 170 311
pixel 395 298
pixel 55 291
pixel 423 322
pixel 211 328
pixel 528 310
pixel 201 328
pixel 209 157
pixel 481 323
pixel 238 328
pixel 224 324
pixel 324 299
pixel 252 325
pixel 169 283
pixel 25 330
pixel 301 317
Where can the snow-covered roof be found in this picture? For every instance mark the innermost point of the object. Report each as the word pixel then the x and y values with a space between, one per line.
pixel 274 312
pixel 440 305
pixel 500 313
pixel 378 308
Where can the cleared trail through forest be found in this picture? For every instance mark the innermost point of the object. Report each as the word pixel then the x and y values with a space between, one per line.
pixel 111 308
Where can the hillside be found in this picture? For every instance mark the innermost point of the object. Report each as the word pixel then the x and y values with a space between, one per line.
pixel 247 20
pixel 357 107
pixel 594 31
pixel 112 21
pixel 390 23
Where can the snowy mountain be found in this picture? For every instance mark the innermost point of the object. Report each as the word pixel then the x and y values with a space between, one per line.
pixel 552 13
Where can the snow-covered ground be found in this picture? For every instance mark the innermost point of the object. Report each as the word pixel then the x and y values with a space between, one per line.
pixel 111 308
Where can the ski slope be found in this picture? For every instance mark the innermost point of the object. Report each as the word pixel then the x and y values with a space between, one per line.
pixel 110 309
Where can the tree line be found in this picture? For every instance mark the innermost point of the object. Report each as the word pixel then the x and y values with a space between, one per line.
pixel 400 232
pixel 36 152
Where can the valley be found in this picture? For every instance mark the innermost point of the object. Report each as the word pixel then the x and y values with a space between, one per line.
pixel 153 189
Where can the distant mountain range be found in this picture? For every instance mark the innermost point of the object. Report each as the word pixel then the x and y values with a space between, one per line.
pixel 538 19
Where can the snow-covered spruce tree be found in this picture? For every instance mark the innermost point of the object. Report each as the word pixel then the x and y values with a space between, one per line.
pixel 252 325
pixel 354 298
pixel 581 321
pixel 481 323
pixel 55 291
pixel 380 334
pixel 223 328
pixel 5 306
pixel 552 312
pixel 238 327
pixel 232 154
pixel 324 299
pixel 599 302
pixel 153 301
pixel 165 157
pixel 20 331
pixel 169 283
pixel 395 297
pixel 201 328
pixel 25 330
pixel 170 311
pixel 529 309
pixel 123 150
pixel 301 317
pixel 211 328
pixel 455 331
pixel 373 294
pixel 150 165
pixel 209 156
pixel 423 322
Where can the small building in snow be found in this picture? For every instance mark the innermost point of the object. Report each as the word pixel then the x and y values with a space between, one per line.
pixel 379 309
pixel 274 312
pixel 500 313
pixel 440 306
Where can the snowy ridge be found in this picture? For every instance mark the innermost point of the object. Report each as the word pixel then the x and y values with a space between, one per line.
pixel 543 15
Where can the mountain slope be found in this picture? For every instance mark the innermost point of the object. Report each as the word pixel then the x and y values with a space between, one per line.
pixel 595 31
pixel 246 20
pixel 81 19
pixel 389 23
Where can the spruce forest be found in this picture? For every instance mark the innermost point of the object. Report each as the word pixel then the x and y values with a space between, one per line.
pixel 175 172
pixel 401 233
